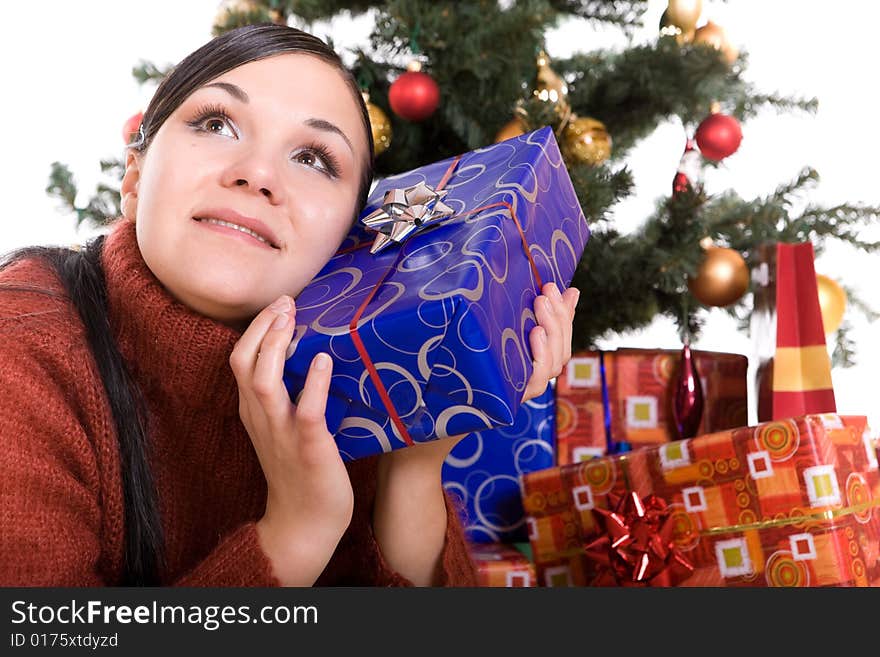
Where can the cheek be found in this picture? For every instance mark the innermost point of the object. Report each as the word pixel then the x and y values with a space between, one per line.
pixel 168 182
pixel 327 217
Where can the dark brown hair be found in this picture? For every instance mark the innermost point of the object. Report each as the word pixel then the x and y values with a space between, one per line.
pixel 83 278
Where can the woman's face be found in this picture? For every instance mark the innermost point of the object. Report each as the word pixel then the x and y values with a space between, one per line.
pixel 279 141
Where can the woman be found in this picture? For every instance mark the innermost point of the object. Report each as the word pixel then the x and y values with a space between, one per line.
pixel 147 435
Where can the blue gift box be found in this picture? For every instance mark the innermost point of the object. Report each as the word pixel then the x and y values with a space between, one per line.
pixel 483 471
pixel 430 338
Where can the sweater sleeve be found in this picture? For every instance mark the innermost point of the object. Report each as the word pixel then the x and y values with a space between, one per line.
pixel 61 507
pixel 237 561
pixel 358 560
pixel 51 516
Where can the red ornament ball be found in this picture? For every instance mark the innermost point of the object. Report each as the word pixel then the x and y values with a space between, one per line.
pixel 130 127
pixel 718 136
pixel 414 96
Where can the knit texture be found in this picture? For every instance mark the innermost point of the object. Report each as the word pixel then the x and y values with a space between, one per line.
pixel 61 504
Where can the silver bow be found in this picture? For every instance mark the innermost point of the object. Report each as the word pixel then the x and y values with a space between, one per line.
pixel 404 212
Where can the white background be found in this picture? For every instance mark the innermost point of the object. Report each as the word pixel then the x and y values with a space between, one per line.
pixel 67 90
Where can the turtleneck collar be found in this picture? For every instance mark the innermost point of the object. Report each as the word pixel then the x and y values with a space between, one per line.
pixel 174 352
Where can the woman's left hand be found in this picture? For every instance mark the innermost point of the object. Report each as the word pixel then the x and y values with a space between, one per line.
pixel 551 338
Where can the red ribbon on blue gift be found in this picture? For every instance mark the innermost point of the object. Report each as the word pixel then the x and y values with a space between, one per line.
pixel 353 325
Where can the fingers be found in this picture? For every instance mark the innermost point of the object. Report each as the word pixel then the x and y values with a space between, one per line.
pixel 312 403
pixel 554 312
pixel 257 359
pixel 548 315
pixel 569 298
pixel 541 364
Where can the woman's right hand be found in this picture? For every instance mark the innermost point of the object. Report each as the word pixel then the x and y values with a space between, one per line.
pixel 309 501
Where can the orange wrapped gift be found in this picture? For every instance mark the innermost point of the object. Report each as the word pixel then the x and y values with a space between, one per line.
pixel 785 503
pixel 639 386
pixel 501 564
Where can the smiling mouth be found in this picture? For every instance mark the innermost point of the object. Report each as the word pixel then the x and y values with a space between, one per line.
pixel 242 229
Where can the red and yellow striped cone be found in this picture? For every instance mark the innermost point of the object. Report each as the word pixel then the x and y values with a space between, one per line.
pixel 801 368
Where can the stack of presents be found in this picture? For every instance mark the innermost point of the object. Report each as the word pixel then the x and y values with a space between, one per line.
pixel 427 310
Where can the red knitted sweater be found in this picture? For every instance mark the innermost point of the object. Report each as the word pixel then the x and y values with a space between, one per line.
pixel 61 505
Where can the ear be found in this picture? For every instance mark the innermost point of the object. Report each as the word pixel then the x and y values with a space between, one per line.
pixel 130 181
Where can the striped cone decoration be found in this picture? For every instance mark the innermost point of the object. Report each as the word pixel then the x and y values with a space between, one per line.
pixel 802 367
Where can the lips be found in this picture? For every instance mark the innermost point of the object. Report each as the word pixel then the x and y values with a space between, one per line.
pixel 233 217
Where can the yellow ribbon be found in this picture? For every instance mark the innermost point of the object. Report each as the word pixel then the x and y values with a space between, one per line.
pixel 818 516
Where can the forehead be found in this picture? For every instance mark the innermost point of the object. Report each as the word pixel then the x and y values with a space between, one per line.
pixel 300 85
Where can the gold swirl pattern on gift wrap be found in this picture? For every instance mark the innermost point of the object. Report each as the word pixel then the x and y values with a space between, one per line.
pixel 447 414
pixel 468 339
pixel 473 294
pixel 482 233
pixel 858 569
pixel 858 492
pixel 780 439
pixel 407 377
pixel 781 569
pixel 356 276
pixel 467 389
pixel 566 417
pixel 466 462
pixel 424 350
pixel 507 336
pixel 376 431
pixel 560 238
pixel 478 508
pixel 706 469
pixel 420 258
pixel 318 326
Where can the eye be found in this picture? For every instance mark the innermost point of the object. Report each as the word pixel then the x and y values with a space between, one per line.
pixel 213 119
pixel 318 156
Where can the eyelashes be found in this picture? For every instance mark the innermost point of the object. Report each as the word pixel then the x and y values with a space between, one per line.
pixel 205 112
pixel 330 167
pixel 330 161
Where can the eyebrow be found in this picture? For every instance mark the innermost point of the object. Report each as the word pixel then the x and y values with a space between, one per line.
pixel 319 124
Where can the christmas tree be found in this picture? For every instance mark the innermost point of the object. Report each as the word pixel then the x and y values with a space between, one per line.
pixel 442 78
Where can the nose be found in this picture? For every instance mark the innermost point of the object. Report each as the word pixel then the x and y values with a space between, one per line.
pixel 256 173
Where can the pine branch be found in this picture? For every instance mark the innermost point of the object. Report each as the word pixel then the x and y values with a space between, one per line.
pixel 146 72
pixel 102 207
pixel 844 348
pixel 624 13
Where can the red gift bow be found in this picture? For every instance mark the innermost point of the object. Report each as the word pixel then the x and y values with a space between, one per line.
pixel 637 548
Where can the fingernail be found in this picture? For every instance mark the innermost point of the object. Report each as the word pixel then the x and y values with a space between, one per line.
pixel 322 361
pixel 281 320
pixel 282 304
pixel 554 290
pixel 543 334
pixel 577 295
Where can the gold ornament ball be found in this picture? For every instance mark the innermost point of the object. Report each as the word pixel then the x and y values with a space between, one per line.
pixel 722 278
pixel 549 86
pixel 667 28
pixel 511 129
pixel 380 126
pixel 586 141
pixel 714 35
pixel 684 14
pixel 832 302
